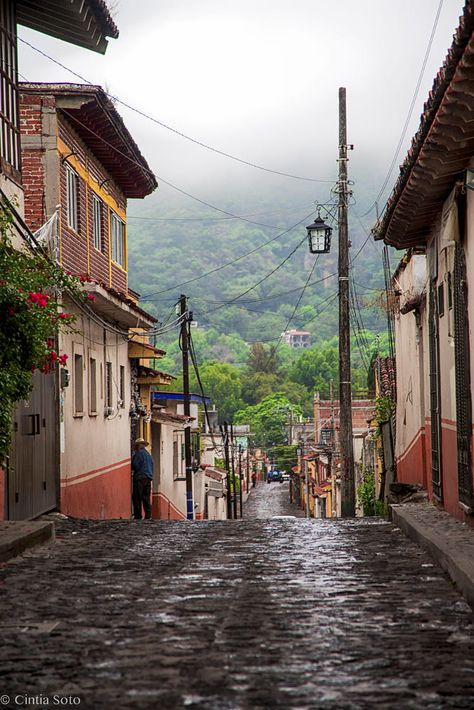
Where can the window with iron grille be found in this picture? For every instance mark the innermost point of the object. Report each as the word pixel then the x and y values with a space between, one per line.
pixel 97 222
pixel 108 384
pixel 117 239
pixel 9 115
pixel 92 386
pixel 122 386
pixel 72 197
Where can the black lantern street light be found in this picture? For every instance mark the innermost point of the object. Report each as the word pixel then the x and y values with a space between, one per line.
pixel 319 236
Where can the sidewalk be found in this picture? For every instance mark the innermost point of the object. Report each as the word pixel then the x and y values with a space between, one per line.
pixel 16 536
pixel 449 542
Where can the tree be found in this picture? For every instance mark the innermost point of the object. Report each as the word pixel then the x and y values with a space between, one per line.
pixel 221 382
pixel 262 359
pixel 268 420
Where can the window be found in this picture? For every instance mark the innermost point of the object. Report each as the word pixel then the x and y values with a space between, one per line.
pixel 92 385
pixel 117 239
pixel 78 384
pixel 441 300
pixel 179 472
pixel 72 194
pixel 122 386
pixel 108 384
pixel 97 222
pixel 9 120
pixel 450 290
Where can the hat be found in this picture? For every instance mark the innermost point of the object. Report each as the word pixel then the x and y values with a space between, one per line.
pixel 141 441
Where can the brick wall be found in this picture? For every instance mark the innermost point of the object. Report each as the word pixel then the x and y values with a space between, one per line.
pixel 78 253
pixel 32 162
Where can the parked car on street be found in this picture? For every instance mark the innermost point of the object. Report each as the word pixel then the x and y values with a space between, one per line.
pixel 274 476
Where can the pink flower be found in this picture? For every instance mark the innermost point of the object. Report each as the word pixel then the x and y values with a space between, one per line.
pixel 91 296
pixel 11 311
pixel 63 359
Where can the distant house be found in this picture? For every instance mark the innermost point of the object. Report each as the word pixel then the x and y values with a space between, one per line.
pixel 430 215
pixel 168 423
pixel 297 338
pixel 326 437
pixel 74 155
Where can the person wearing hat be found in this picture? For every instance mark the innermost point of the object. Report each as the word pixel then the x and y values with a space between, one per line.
pixel 142 470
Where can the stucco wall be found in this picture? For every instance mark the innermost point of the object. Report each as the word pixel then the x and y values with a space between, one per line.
pixel 95 446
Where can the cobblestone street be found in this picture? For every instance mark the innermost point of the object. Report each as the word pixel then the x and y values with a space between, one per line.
pixel 259 613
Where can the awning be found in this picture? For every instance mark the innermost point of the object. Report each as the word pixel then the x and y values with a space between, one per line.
pixel 143 350
pixel 148 376
pixel 171 419
pixel 215 473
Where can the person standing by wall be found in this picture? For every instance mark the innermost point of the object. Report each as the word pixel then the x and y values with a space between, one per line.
pixel 142 470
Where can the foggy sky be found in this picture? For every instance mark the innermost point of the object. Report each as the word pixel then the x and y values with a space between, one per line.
pixel 260 79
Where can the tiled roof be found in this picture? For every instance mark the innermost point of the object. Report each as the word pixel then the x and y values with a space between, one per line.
pixel 387 383
pixel 92 115
pixel 85 23
pixel 440 150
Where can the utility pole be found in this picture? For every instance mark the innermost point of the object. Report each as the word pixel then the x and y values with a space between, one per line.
pixel 241 479
pixel 187 406
pixel 234 487
pixel 225 436
pixel 345 397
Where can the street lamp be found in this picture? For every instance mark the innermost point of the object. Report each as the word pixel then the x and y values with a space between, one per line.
pixel 319 236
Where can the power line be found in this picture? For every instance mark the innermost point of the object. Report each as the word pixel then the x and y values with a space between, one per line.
pixel 230 263
pixel 174 130
pixel 410 111
pixel 273 350
pixel 211 219
pixel 162 179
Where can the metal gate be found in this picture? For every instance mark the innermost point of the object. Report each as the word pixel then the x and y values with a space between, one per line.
pixel 33 469
pixel 435 393
pixel 463 380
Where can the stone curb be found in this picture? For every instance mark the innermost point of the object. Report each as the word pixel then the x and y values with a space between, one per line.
pixel 18 536
pixel 455 559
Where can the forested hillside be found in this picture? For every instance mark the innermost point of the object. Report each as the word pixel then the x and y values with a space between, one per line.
pixel 242 292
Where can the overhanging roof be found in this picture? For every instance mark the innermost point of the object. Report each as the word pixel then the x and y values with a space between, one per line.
pixel 85 23
pixel 117 308
pixel 441 149
pixel 94 117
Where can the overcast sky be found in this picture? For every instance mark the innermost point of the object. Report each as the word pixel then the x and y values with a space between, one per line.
pixel 260 79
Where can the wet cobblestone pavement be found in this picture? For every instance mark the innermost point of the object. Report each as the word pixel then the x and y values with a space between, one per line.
pixel 259 613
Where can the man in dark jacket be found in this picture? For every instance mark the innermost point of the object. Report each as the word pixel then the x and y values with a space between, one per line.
pixel 142 469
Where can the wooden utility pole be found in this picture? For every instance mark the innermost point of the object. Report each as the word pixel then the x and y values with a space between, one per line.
pixel 187 407
pixel 345 397
pixel 241 480
pixel 225 436
pixel 232 459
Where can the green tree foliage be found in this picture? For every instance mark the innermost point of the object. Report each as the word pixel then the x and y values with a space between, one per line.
pixel 283 457
pixel 268 419
pixel 221 382
pixel 316 367
pixel 262 359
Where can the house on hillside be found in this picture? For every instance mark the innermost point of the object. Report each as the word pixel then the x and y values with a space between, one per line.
pixel 81 165
pixel 430 214
pixel 297 338
pixel 85 23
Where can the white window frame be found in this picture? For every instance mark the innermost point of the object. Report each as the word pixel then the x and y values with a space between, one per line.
pixel 72 192
pixel 97 222
pixel 78 368
pixel 117 239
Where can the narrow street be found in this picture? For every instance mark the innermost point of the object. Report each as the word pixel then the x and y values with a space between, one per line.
pixel 259 613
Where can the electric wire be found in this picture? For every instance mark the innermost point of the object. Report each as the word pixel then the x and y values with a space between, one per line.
pixel 410 111
pixel 116 99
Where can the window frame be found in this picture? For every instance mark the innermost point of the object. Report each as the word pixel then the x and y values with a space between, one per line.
pixel 117 240
pixel 78 380
pixel 97 222
pixel 72 198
